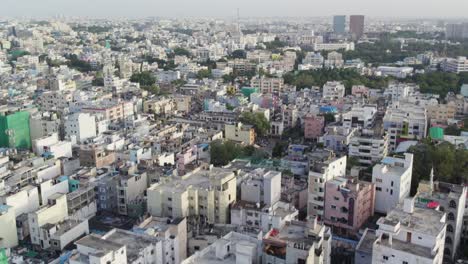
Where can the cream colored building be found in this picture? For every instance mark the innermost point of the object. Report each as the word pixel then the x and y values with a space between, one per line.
pixel 8 235
pixel 203 194
pixel 240 133
pixel 55 211
pixel 442 111
pixel 268 85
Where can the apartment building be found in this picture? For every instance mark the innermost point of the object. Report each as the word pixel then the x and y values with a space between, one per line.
pixel 360 116
pixel 261 186
pixel 406 235
pixel 442 112
pixel 313 126
pixel 455 65
pixel 240 133
pixel 322 170
pixel 205 195
pixel 333 90
pixel 349 203
pixel 368 148
pixel 298 242
pixel 267 84
pixel 233 248
pixel 8 234
pixel 173 233
pixel 53 212
pixel 96 156
pixel 405 122
pixel 131 186
pixel 451 199
pixel 80 126
pixel 392 179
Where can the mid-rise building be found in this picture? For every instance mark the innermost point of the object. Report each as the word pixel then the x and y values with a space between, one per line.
pixel 360 116
pixel 80 126
pixel 268 85
pixel 451 199
pixel 320 172
pixel 298 242
pixel 333 90
pixel 368 148
pixel 240 133
pixel 392 179
pixel 406 235
pixel 405 122
pixel 349 203
pixel 455 65
pixel 8 234
pixel 205 195
pixel 313 126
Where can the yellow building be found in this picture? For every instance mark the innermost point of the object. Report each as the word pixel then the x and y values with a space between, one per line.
pixel 240 133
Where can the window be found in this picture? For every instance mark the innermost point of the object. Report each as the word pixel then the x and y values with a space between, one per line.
pixel 378 189
pixel 453 204
pixel 404 262
pixel 333 207
pixel 451 216
pixel 385 257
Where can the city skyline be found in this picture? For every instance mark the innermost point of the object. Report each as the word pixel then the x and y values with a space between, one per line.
pixel 211 8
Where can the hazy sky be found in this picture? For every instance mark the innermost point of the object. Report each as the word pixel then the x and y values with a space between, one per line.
pixel 144 8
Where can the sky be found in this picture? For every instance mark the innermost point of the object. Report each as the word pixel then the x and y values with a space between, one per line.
pixel 228 8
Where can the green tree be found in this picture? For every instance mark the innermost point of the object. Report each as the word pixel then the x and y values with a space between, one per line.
pixel 452 130
pixel 181 52
pixel 145 78
pixel 279 148
pixel 258 121
pixel 239 54
pixel 204 73
pixel 221 153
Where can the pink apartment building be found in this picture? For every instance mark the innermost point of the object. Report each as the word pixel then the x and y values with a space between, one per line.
pixel 348 204
pixel 313 126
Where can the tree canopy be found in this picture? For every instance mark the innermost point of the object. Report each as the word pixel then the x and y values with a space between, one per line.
pixel 258 121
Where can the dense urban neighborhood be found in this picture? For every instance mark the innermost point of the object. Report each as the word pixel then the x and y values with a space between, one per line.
pixel 340 139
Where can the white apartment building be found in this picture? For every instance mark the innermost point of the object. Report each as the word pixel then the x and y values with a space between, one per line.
pixel 410 235
pixel 23 201
pixel 261 216
pixel 203 194
pixel 53 212
pixel 392 179
pixel 312 61
pixel 334 46
pixel 451 199
pixel 174 236
pixel 457 65
pixel 360 116
pixel 8 234
pixel 398 72
pixel 319 174
pixel 81 126
pixel 398 91
pixel 298 242
pixel 94 249
pixel 368 149
pixel 261 186
pixel 333 90
pixel 233 248
pixel 167 76
pixel 404 121
pixel 268 85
